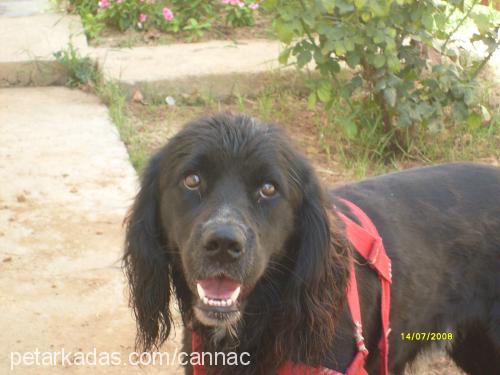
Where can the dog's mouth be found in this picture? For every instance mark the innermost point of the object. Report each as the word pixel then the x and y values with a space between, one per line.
pixel 218 302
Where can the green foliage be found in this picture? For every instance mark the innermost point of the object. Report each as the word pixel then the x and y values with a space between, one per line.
pixel 239 13
pixel 81 70
pixel 170 16
pixel 400 55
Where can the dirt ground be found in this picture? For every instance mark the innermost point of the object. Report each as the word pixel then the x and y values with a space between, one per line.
pixel 219 31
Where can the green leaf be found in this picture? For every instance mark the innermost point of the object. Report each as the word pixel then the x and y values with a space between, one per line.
pixel 284 55
pixel 469 97
pixel 349 44
pixel 404 120
pixel 352 59
pixel 350 127
pixel 391 32
pixel 482 22
pixel 312 100
pixel 329 5
pixel 379 37
pixel 310 19
pixel 357 81
pixel 324 91
pixel 359 4
pixel 427 20
pixel 474 121
pixel 425 110
pixel 340 49
pixel 334 67
pixel 390 96
pixel 378 61
pixel 344 7
pixel 303 58
pixel 284 30
pixel 394 64
pixel 440 19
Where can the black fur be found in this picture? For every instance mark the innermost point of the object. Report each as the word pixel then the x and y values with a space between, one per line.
pixel 440 225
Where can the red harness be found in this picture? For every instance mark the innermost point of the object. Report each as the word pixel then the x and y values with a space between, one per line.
pixel 368 244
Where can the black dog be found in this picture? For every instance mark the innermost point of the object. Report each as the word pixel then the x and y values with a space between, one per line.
pixel 232 221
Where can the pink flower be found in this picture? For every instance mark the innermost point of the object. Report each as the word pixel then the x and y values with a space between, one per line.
pixel 103 4
pixel 254 6
pixel 119 1
pixel 143 17
pixel 167 13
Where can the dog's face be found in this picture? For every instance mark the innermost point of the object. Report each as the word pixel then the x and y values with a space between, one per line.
pixel 228 196
pixel 231 218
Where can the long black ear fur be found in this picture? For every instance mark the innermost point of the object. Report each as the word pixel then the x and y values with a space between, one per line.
pixel 147 263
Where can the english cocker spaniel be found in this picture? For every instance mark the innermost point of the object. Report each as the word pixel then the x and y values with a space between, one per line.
pixel 232 222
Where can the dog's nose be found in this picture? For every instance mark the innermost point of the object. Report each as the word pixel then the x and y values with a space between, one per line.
pixel 224 243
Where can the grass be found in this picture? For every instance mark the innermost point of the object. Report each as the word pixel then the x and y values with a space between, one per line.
pixel 145 127
pixel 337 157
pixel 116 99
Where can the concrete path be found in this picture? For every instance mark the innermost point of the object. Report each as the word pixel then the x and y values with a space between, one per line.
pixel 219 68
pixel 65 185
pixel 28 39
pixel 21 8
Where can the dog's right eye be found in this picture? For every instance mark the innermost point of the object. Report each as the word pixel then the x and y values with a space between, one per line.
pixel 192 182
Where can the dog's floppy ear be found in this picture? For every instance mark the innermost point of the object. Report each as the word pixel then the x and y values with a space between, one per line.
pixel 319 278
pixel 147 262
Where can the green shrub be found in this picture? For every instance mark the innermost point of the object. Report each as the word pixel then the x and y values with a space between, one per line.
pixel 171 16
pixel 388 44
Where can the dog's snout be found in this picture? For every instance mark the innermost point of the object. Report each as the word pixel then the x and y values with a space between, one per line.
pixel 224 243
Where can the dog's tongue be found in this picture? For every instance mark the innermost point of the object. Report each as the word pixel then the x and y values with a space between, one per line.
pixel 219 287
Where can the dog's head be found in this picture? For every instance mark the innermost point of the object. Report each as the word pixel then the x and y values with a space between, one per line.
pixel 223 205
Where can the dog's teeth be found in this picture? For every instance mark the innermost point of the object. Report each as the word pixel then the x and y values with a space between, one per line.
pixel 221 302
pixel 201 291
pixel 235 294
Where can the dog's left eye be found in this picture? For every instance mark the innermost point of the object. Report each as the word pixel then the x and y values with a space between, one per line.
pixel 192 182
pixel 267 190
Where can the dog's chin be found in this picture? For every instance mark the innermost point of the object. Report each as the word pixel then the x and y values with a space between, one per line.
pixel 217 316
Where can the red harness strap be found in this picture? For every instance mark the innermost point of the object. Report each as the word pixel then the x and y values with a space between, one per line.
pixel 368 243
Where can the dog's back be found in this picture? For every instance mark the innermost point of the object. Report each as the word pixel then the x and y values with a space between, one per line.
pixel 441 227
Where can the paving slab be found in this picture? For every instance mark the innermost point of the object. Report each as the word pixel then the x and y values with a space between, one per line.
pixel 28 44
pixel 19 8
pixel 65 185
pixel 219 68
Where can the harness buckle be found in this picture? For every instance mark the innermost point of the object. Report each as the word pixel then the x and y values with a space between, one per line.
pixel 358 335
